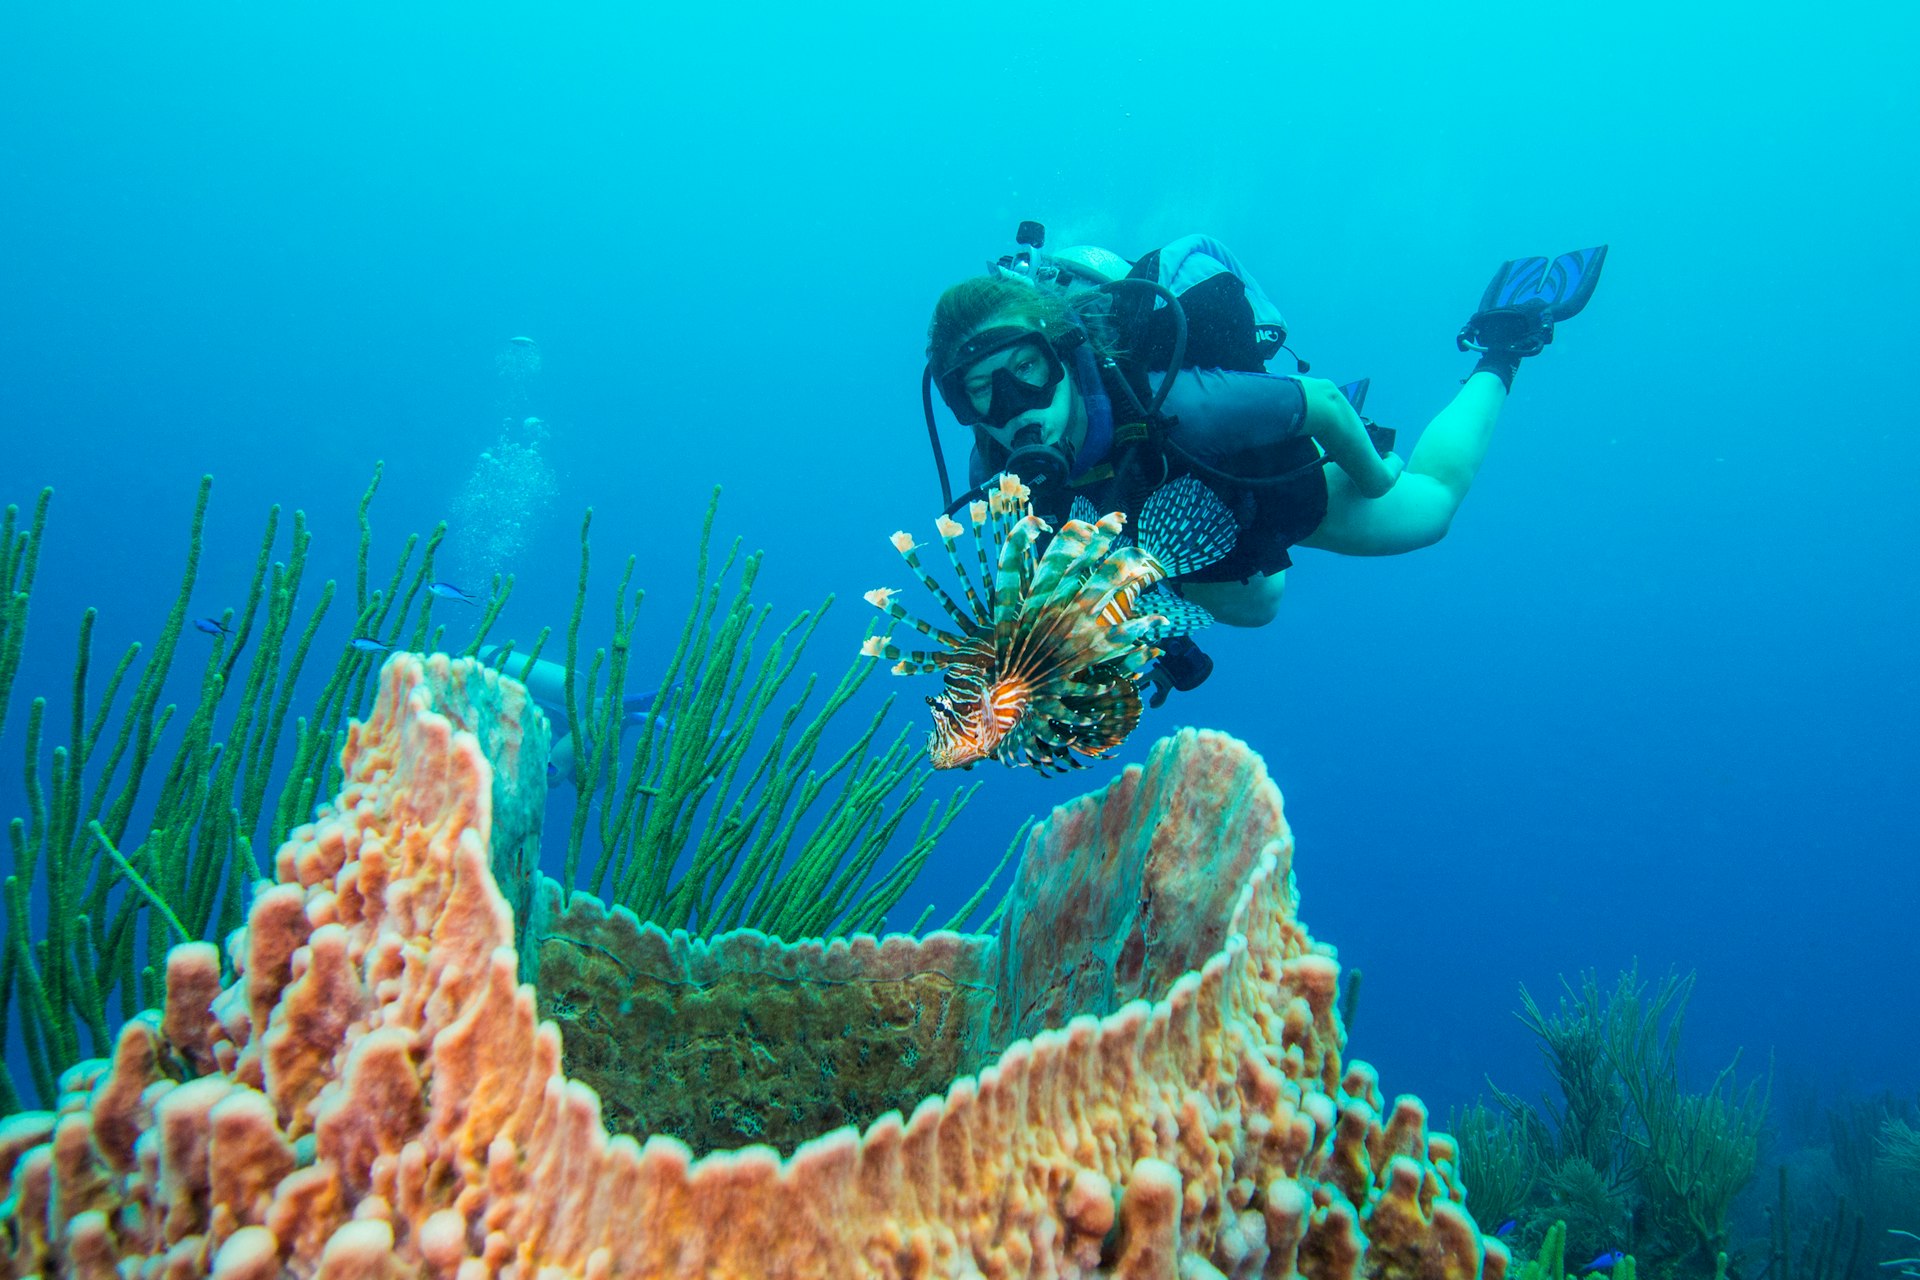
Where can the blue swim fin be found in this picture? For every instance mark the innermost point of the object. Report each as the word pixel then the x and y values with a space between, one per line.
pixel 1527 297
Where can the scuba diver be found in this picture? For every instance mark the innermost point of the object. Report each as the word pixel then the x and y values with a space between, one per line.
pixel 546 683
pixel 1096 381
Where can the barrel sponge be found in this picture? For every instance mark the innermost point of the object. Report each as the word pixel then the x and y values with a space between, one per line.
pixel 1160 1089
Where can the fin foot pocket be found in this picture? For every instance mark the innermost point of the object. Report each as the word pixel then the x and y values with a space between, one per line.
pixel 1527 297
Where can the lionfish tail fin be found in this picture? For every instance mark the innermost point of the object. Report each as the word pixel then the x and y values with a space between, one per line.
pixel 1185 526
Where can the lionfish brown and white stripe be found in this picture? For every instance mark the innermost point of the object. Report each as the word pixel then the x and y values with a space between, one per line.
pixel 1046 646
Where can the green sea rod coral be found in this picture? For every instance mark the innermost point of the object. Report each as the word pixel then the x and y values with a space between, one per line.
pixel 1692 1152
pixel 148 824
pixel 1497 1163
pixel 1627 1156
pixel 144 816
pixel 712 824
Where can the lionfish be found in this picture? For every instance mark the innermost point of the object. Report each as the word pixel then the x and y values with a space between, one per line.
pixel 1044 659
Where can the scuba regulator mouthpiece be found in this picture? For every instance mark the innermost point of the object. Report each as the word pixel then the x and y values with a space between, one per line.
pixel 1044 469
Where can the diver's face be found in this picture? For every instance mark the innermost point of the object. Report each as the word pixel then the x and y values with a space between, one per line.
pixel 1017 377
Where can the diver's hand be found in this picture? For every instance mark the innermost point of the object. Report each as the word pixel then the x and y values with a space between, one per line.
pixel 1162 685
pixel 1338 429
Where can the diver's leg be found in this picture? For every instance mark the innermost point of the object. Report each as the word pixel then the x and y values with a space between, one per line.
pixel 1417 511
pixel 1454 444
pixel 1253 603
pixel 1523 303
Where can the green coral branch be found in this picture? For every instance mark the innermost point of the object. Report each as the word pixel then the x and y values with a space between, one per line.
pixel 710 822
pixel 730 819
pixel 1907 1266
pixel 1899 1148
pixel 1574 1042
pixel 1694 1151
pixel 120 891
pixel 1626 1153
pixel 145 890
pixel 1498 1163
pixel 19 561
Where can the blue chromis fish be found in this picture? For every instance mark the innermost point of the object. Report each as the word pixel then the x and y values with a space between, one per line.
pixel 447 591
pixel 212 626
pixel 1604 1261
pixel 1505 1229
pixel 367 644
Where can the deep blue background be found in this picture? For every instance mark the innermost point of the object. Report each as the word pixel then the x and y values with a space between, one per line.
pixel 1654 697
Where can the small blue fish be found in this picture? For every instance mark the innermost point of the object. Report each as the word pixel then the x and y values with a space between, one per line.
pixel 447 591
pixel 1505 1229
pixel 1604 1261
pixel 212 626
pixel 367 644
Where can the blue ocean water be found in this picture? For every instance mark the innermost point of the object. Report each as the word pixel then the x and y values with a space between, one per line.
pixel 1653 698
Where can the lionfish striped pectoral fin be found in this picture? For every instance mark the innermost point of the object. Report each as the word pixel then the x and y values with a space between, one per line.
pixel 1185 526
pixel 1082 509
pixel 1013 577
pixel 1089 717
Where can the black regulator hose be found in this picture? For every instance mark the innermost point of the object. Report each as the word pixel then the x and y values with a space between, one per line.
pixel 1207 471
pixel 1202 469
pixel 933 437
pixel 1179 338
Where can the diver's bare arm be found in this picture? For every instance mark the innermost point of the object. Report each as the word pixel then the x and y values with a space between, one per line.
pixel 1331 421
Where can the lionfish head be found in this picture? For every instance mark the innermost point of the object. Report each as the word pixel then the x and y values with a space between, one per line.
pixel 1047 641
pixel 972 717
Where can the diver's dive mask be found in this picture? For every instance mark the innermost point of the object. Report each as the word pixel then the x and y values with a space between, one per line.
pixel 1022 383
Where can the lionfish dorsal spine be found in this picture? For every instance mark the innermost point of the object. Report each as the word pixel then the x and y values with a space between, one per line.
pixel 882 599
pixel 906 662
pixel 983 540
pixel 950 530
pixel 910 552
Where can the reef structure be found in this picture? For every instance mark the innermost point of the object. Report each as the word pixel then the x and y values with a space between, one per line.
pixel 374 1093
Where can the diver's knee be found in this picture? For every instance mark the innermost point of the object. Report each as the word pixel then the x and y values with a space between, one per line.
pixel 1253 613
pixel 1435 531
pixel 1253 603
